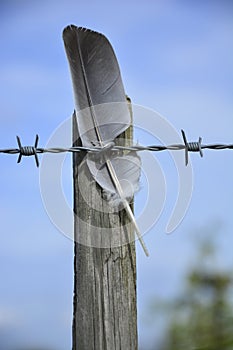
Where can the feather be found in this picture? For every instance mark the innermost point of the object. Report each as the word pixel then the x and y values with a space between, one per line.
pixel 127 169
pixel 102 111
pixel 96 81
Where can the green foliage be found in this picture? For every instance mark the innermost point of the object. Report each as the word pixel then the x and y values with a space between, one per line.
pixel 202 318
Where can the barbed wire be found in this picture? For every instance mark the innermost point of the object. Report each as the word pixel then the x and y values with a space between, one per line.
pixel 111 146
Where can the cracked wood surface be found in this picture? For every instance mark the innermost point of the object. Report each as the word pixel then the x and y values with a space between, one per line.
pixel 105 312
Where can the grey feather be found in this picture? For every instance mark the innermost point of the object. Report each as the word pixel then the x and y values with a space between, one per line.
pixel 96 81
pixel 127 169
pixel 102 112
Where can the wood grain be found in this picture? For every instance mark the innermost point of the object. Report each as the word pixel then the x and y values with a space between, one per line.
pixel 104 304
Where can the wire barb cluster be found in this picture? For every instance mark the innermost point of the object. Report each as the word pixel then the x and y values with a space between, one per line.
pixel 191 147
pixel 186 146
pixel 28 150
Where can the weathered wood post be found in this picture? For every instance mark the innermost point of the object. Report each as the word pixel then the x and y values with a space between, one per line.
pixel 105 312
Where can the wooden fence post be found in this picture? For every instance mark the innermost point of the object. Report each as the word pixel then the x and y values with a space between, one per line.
pixel 104 305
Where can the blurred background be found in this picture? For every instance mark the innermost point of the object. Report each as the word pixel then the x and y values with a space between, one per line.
pixel 176 57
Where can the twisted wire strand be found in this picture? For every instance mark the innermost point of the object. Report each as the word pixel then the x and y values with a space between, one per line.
pixel 153 148
pixel 187 146
pixel 137 148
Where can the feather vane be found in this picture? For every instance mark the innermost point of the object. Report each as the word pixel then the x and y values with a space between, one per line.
pixel 102 112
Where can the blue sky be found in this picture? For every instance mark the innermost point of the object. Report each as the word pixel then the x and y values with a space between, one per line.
pixel 175 58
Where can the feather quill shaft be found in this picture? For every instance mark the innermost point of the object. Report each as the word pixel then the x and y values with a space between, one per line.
pixel 126 204
pixel 96 80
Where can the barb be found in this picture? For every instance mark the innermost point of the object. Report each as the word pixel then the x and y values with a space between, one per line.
pixel 187 147
pixel 28 150
pixel 191 147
